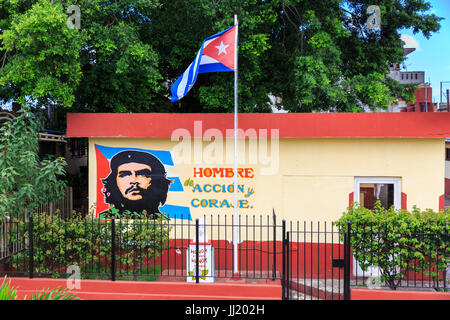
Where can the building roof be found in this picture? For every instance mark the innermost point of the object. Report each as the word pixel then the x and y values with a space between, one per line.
pixel 407 51
pixel 290 125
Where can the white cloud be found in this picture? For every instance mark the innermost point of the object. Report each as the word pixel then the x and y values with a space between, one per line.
pixel 410 41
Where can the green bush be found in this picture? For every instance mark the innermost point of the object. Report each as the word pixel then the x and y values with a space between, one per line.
pixel 399 241
pixel 86 242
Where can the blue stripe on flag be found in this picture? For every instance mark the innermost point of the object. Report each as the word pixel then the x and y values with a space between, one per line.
pixel 174 89
pixel 213 67
pixel 164 156
pixel 176 212
pixel 191 79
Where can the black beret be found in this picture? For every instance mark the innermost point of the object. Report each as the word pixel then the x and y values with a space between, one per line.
pixel 138 157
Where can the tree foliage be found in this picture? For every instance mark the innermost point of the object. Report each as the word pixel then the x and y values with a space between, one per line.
pixel 41 60
pixel 25 181
pixel 312 55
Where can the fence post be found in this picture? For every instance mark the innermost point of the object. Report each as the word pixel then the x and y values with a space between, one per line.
pixel 274 267
pixel 113 249
pixel 347 244
pixel 447 266
pixel 283 280
pixel 30 243
pixel 287 265
pixel 197 279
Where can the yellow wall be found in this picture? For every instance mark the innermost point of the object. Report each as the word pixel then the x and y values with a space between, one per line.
pixel 314 178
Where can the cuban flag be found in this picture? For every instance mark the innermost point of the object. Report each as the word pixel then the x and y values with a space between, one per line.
pixel 215 55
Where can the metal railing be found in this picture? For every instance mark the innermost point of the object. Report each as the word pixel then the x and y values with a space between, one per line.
pixel 63 206
pixel 119 249
pixel 317 262
pixel 310 260
pixel 8 247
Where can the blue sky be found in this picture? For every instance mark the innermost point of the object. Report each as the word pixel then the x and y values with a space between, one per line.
pixel 432 55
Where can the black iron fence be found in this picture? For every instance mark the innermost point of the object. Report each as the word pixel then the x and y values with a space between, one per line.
pixel 326 261
pixel 63 206
pixel 317 262
pixel 310 260
pixel 144 249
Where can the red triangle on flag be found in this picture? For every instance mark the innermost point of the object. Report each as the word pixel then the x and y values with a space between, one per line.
pixel 222 48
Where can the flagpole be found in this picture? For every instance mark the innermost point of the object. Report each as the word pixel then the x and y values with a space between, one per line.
pixel 235 216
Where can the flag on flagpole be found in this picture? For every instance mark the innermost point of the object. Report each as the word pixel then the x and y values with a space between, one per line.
pixel 215 55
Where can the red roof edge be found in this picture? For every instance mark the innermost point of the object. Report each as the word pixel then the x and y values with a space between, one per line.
pixel 287 125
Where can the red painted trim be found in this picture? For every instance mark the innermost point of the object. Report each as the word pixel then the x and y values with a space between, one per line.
pixel 139 290
pixel 290 125
pixel 350 200
pixel 441 202
pixel 368 294
pixel 404 201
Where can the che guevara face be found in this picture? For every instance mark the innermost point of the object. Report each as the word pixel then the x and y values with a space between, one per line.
pixel 132 179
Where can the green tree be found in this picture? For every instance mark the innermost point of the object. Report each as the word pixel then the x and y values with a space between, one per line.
pixel 313 55
pixel 120 69
pixel 103 66
pixel 41 62
pixel 25 181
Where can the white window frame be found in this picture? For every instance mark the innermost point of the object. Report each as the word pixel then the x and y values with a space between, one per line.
pixel 396 181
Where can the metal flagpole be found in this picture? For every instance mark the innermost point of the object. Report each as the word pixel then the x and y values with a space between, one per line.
pixel 235 216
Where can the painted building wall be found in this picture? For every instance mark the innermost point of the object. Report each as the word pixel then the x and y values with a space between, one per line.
pixel 300 178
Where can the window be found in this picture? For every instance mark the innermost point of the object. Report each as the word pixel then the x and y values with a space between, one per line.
pixel 447 154
pixel 371 189
pixel 369 193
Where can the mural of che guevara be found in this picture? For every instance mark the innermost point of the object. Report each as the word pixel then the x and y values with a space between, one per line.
pixel 137 183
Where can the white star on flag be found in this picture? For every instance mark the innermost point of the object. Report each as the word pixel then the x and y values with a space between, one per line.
pixel 209 59
pixel 222 48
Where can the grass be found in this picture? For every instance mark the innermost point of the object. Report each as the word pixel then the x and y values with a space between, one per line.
pixel 7 292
